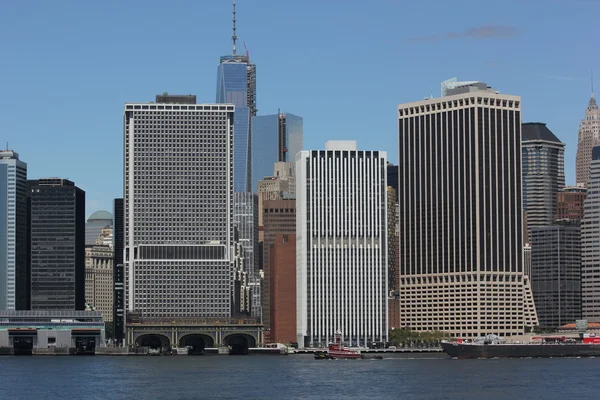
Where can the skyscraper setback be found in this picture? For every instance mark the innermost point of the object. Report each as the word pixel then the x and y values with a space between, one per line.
pixel 236 84
pixel 178 204
pixel 589 137
pixel 461 224
pixel 14 277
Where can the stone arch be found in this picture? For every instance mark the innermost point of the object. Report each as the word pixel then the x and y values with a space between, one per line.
pixel 197 341
pixel 239 343
pixel 153 340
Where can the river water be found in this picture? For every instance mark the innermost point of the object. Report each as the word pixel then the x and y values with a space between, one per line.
pixel 295 377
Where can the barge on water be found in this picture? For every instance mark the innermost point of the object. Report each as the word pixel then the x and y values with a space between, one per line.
pixel 492 346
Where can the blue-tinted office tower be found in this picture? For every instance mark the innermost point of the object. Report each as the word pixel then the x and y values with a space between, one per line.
pixel 275 138
pixel 236 84
pixel 14 278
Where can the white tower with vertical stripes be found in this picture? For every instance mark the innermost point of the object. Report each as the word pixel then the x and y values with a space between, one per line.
pixel 341 237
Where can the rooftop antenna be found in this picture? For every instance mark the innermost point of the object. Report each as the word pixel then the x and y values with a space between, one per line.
pixel 234 37
pixel 6 146
pixel 592 73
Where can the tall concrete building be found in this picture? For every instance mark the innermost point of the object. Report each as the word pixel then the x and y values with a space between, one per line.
pixel 543 173
pixel 57 238
pixel 279 218
pixel 236 84
pixel 556 273
pixel 95 224
pixel 461 220
pixel 178 205
pixel 275 138
pixel 99 276
pixel 392 178
pixel 245 219
pixel 341 234
pixel 589 137
pixel 14 276
pixel 569 203
pixel 590 243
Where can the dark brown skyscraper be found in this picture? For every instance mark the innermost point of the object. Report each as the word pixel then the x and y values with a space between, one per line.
pixel 282 268
pixel 569 203
pixel 279 217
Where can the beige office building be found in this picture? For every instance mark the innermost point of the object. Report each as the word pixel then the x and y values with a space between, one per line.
pixel 461 219
pixel 99 275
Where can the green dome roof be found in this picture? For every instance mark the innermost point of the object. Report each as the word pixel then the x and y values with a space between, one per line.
pixel 101 216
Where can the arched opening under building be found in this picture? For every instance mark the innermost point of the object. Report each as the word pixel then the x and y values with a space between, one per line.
pixel 154 341
pixel 239 343
pixel 196 343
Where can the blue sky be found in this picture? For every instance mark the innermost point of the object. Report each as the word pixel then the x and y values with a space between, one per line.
pixel 67 68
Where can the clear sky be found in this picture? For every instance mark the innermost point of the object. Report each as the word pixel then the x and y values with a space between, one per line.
pixel 68 66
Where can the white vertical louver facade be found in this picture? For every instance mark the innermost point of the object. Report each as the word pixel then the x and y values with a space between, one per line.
pixel 341 245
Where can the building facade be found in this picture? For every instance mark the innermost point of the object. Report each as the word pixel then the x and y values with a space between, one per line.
pixel 275 138
pixel 392 178
pixel 569 203
pixel 282 269
pixel 14 275
pixel 589 137
pixel 393 257
pixel 178 205
pixel 99 275
pixel 118 330
pixel 341 233
pixel 57 238
pixel 245 219
pixel 543 173
pixel 95 224
pixel 590 243
pixel 556 274
pixel 461 220
pixel 279 218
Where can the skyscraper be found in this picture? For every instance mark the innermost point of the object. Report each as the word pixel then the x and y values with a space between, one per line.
pixel 178 199
pixel 279 218
pixel 57 237
pixel 95 224
pixel 590 243
pixel 543 173
pixel 99 276
pixel 275 138
pixel 589 136
pixel 556 273
pixel 14 277
pixel 461 224
pixel 341 234
pixel 119 272
pixel 236 84
pixel 245 219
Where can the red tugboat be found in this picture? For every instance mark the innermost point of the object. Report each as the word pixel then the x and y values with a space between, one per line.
pixel 337 351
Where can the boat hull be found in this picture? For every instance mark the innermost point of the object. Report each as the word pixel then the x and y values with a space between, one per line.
pixel 461 350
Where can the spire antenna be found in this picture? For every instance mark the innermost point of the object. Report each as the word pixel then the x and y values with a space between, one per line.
pixel 592 73
pixel 234 37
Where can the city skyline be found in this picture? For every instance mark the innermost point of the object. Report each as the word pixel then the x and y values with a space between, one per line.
pixel 555 89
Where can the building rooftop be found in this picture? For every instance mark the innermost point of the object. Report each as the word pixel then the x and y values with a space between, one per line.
pixel 538 131
pixel 100 216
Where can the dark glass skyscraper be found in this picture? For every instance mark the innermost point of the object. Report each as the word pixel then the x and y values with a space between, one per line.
pixel 275 138
pixel 119 271
pixel 57 237
pixel 236 84
pixel 556 273
pixel 543 173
